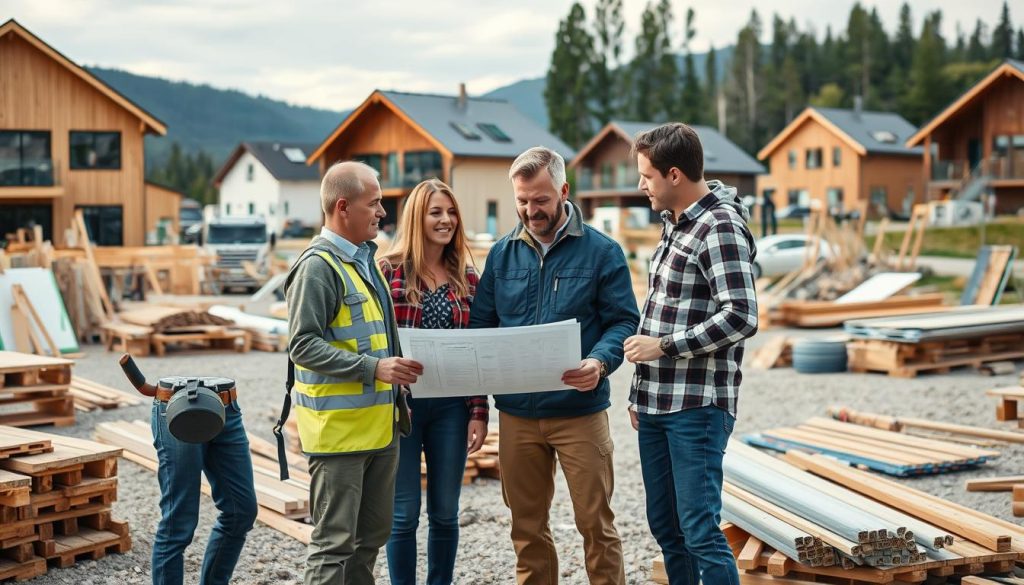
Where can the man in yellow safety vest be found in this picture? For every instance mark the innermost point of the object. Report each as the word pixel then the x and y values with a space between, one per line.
pixel 347 372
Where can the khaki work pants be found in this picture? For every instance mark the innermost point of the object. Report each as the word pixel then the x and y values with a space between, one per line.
pixel 528 451
pixel 351 501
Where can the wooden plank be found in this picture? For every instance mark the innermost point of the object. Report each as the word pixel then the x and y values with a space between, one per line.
pixel 748 558
pixel 994 484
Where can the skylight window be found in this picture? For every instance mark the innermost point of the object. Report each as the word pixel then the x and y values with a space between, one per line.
pixel 295 155
pixel 466 132
pixel 494 133
pixel 884 136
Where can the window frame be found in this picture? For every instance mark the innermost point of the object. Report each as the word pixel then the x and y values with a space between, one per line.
pixel 94 135
pixel 100 239
pixel 22 182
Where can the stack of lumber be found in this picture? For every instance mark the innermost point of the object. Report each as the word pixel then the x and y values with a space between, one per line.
pixel 90 396
pixel 851 526
pixel 157 327
pixel 34 390
pixel 886 451
pixel 283 505
pixel 954 432
pixel 1009 407
pixel 55 498
pixel 936 342
pixel 810 313
pixel 1012 483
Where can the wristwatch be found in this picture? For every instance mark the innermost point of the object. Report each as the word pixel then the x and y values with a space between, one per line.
pixel 665 344
pixel 604 369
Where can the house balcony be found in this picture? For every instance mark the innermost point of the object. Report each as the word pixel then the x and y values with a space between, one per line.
pixel 39 180
pixel 1002 170
pixel 620 184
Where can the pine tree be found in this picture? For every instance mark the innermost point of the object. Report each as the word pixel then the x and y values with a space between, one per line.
pixel 712 90
pixel 692 109
pixel 929 89
pixel 976 50
pixel 566 93
pixel 1002 36
pixel 903 44
pixel 1020 44
pixel 667 89
pixel 608 28
pixel 745 86
pixel 643 70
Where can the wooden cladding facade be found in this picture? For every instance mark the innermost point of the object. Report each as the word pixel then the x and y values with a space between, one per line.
pixel 38 92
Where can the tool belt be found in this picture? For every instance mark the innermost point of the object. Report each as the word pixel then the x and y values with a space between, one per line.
pixel 226 396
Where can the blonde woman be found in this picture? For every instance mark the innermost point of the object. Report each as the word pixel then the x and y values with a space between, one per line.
pixel 432 280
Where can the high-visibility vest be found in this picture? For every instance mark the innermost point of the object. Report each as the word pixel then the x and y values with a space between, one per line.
pixel 346 416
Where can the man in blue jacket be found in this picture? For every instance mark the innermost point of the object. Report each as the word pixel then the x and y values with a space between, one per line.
pixel 551 268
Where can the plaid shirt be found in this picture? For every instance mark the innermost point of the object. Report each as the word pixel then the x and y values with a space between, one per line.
pixel 702 297
pixel 411 316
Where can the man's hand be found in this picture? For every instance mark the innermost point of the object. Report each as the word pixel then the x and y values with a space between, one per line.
pixel 634 420
pixel 642 348
pixel 585 377
pixel 476 434
pixel 397 370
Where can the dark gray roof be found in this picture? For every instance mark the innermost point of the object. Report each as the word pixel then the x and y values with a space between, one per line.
pixel 436 115
pixel 272 156
pixel 721 155
pixel 1018 65
pixel 862 127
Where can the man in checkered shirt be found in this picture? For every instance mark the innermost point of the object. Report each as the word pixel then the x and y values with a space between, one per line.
pixel 699 309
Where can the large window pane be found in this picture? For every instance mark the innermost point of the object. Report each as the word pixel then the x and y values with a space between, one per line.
pixel 25 158
pixel 95 150
pixel 420 166
pixel 105 224
pixel 17 216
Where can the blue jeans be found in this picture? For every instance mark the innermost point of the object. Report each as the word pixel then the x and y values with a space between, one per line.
pixel 439 431
pixel 228 467
pixel 681 459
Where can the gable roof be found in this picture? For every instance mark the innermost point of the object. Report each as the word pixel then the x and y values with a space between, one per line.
pixel 1008 68
pixel 272 156
pixel 721 155
pixel 435 116
pixel 858 129
pixel 151 122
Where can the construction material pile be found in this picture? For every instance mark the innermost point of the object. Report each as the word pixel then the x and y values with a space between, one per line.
pixel 889 452
pixel 157 327
pixel 55 498
pixel 936 342
pixel 811 518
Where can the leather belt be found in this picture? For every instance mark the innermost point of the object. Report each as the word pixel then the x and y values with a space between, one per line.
pixel 227 396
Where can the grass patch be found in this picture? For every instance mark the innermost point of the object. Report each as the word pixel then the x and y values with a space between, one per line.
pixel 960 242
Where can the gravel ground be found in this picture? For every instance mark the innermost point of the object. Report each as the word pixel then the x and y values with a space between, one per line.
pixel 768 399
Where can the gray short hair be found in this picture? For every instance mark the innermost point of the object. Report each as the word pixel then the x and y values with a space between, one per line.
pixel 344 180
pixel 528 164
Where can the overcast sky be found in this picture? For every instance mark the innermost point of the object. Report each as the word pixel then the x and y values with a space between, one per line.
pixel 333 54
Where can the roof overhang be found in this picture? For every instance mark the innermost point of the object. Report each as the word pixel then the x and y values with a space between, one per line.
pixel 1004 70
pixel 149 122
pixel 609 128
pixel 792 127
pixel 376 98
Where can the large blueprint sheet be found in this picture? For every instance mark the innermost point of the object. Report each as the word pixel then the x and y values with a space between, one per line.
pixel 467 362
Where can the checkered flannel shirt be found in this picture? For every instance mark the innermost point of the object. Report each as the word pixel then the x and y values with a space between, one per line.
pixel 701 295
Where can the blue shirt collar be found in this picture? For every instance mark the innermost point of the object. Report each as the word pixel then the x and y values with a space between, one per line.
pixel 359 252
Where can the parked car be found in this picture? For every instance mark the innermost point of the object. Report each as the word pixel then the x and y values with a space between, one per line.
pixel 783 253
pixel 793 212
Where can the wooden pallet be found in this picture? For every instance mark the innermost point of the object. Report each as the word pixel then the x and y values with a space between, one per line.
pixel 125 337
pixel 776 353
pixel 833 314
pixel 907 360
pixel 55 498
pixel 211 339
pixel 34 390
